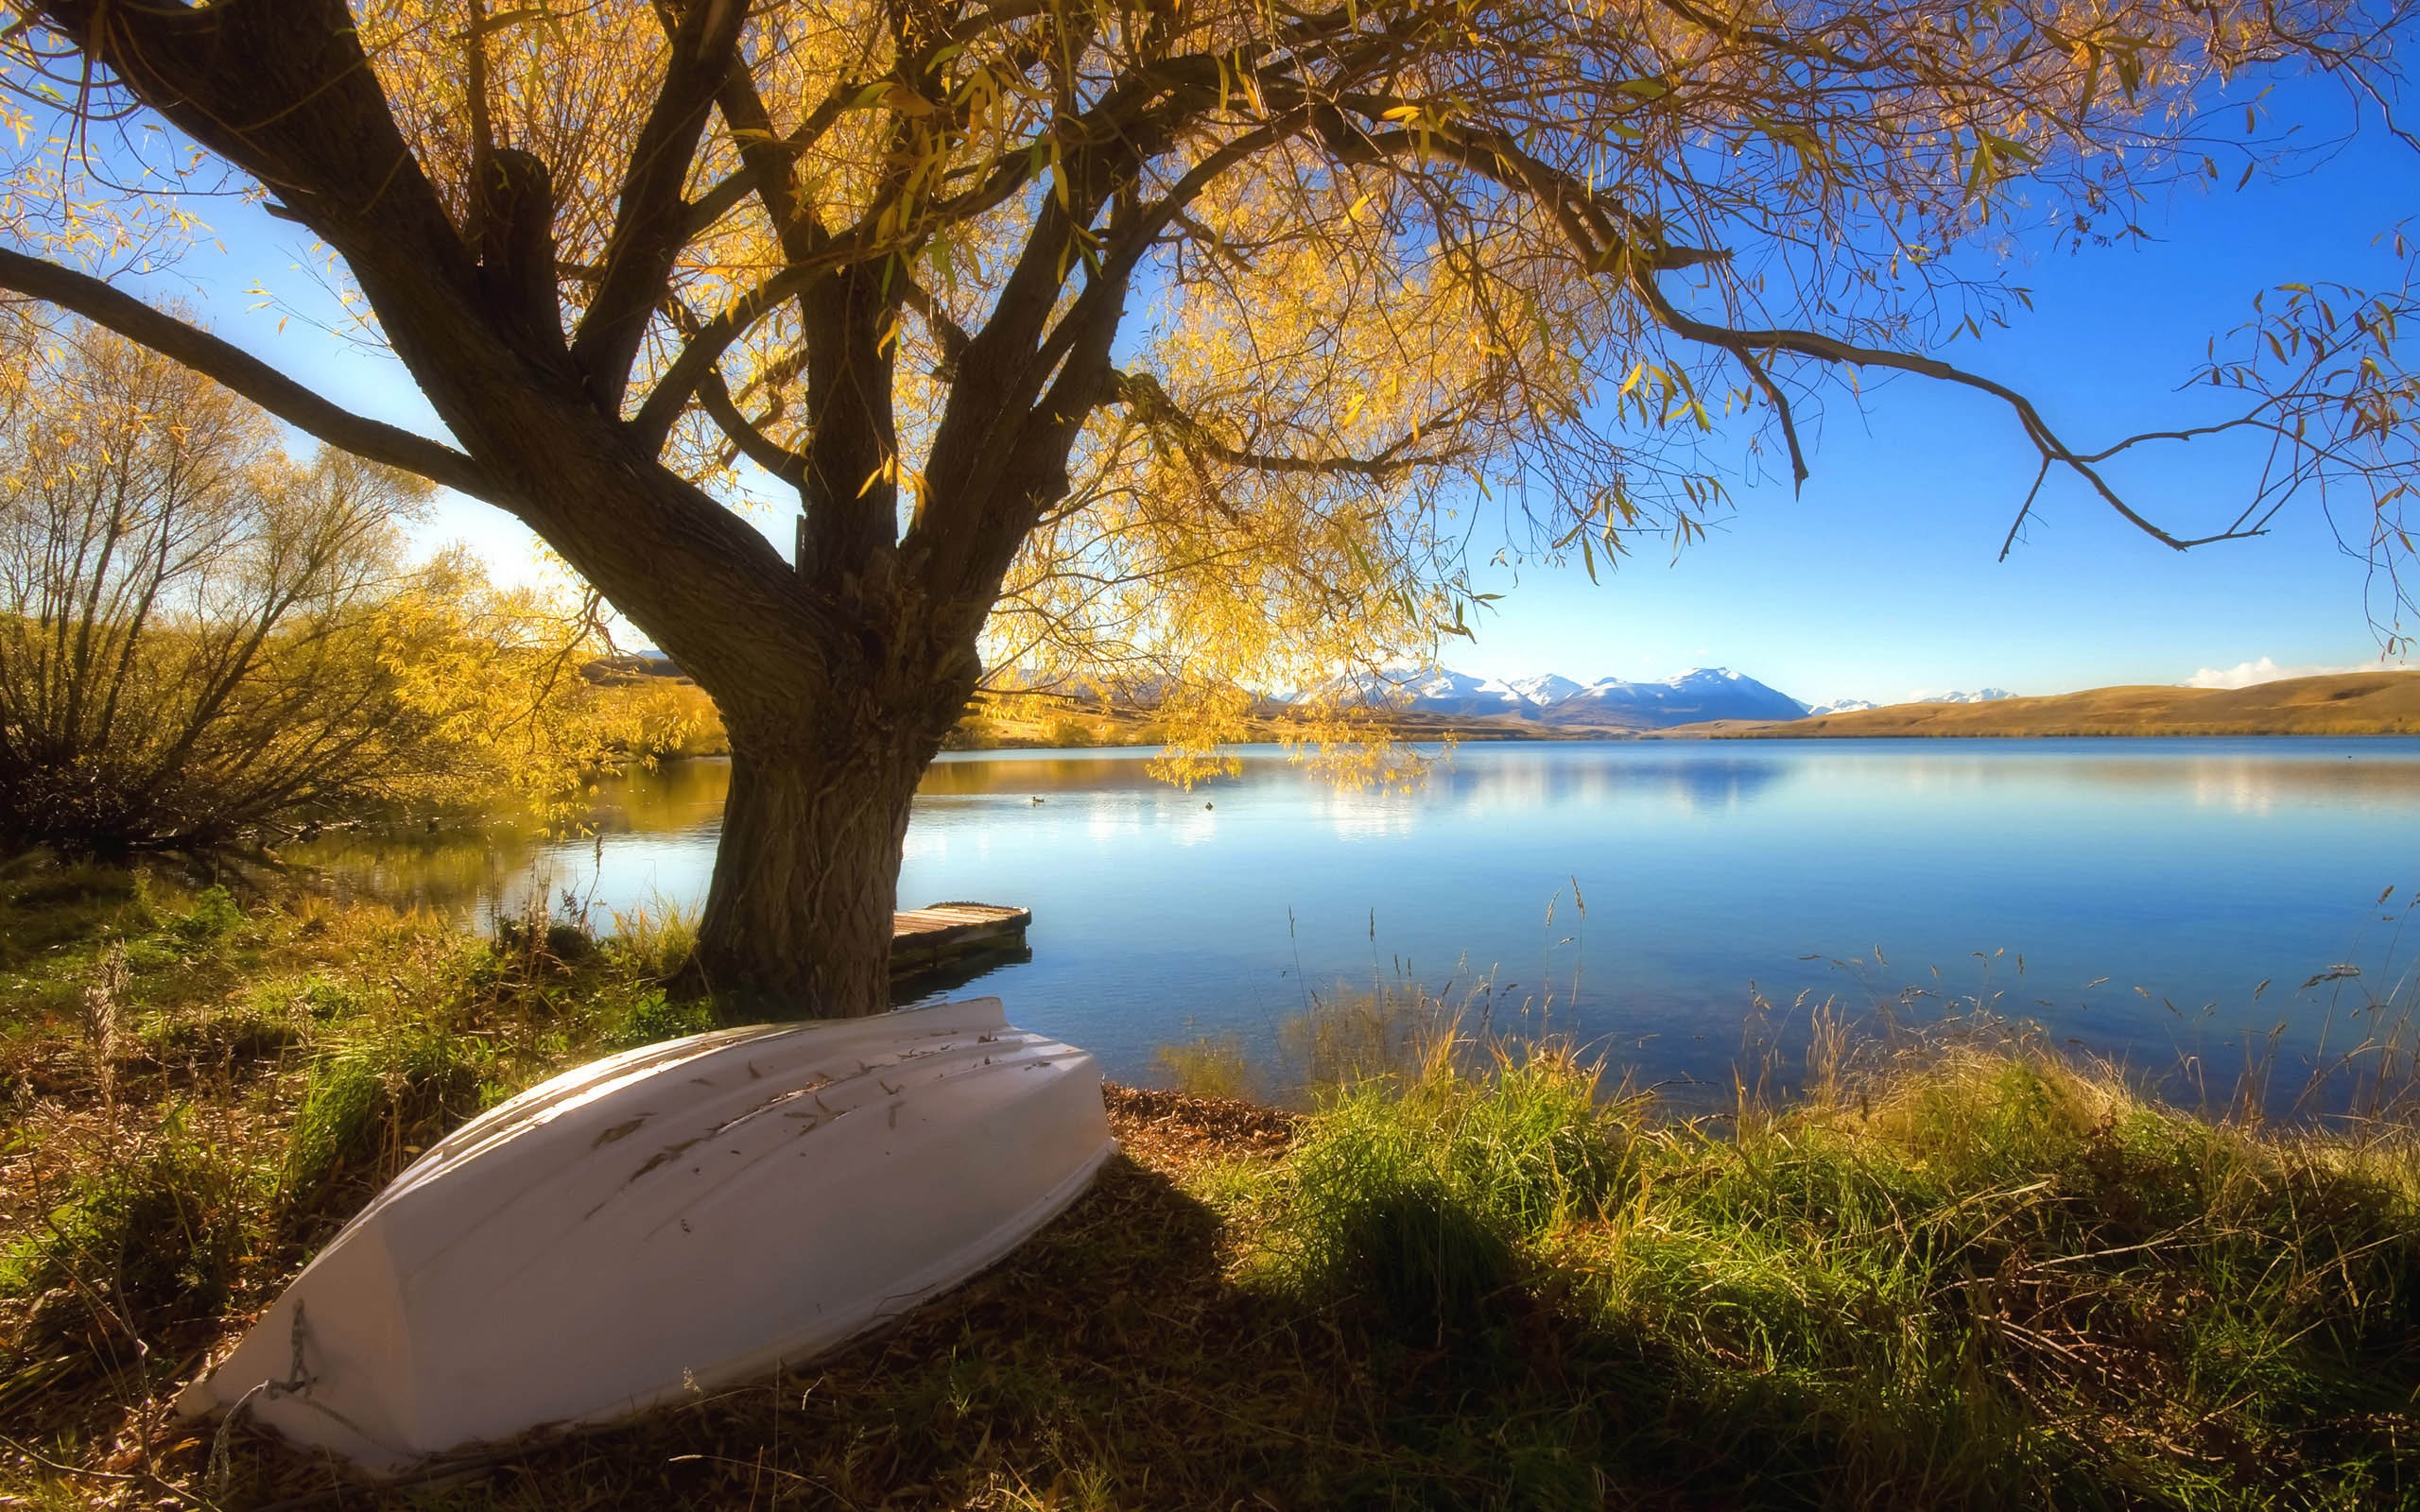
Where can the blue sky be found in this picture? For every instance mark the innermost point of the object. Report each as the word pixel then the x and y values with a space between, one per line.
pixel 1880 582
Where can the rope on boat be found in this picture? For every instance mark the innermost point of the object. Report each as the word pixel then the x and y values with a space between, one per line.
pixel 297 1384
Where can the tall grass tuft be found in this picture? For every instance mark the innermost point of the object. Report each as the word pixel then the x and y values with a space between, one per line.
pixel 373 1102
pixel 1339 1038
pixel 1347 1036
pixel 1417 1194
pixel 103 1014
pixel 1208 1066
pixel 652 940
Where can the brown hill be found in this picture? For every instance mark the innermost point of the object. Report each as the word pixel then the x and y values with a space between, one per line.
pixel 2351 703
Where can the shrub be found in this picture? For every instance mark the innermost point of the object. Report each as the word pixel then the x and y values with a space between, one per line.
pixel 214 915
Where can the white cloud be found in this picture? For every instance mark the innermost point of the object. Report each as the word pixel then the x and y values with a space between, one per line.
pixel 2244 674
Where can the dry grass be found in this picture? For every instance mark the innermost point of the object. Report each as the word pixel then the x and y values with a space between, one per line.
pixel 2351 703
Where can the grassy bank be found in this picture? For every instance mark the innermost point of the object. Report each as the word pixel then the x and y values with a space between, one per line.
pixel 2346 703
pixel 1948 1275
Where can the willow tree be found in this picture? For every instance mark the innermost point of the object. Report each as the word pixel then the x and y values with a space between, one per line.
pixel 1191 331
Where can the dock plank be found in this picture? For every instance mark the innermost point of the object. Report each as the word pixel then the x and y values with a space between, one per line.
pixel 924 938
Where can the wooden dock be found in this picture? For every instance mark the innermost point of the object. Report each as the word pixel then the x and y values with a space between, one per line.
pixel 942 935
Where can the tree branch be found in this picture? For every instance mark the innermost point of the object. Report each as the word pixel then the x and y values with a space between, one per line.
pixel 1832 349
pixel 1780 401
pixel 766 171
pixel 1609 237
pixel 1151 404
pixel 765 161
pixel 760 149
pixel 947 333
pixel 653 222
pixel 673 391
pixel 245 374
pixel 283 90
pixel 759 448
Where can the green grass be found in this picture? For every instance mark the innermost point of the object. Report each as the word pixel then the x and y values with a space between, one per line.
pixel 1958 1274
pixel 1416 1198
pixel 197 1087
pixel 371 1104
pixel 1971 1278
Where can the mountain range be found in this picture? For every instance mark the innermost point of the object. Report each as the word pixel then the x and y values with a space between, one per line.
pixel 1695 697
pixel 1698 695
pixel 1607 703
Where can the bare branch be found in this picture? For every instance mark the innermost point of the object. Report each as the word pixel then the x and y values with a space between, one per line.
pixel 245 374
pixel 1833 349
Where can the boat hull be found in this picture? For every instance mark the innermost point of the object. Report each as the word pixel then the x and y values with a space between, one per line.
pixel 668 1220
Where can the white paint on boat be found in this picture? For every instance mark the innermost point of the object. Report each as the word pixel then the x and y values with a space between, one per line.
pixel 668 1220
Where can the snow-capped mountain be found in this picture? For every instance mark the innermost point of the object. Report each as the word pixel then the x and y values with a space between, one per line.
pixel 1695 697
pixel 1844 706
pixel 1986 695
pixel 1699 694
pixel 1549 688
pixel 1458 693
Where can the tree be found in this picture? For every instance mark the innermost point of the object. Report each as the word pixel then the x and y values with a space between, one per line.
pixel 1187 331
pixel 202 640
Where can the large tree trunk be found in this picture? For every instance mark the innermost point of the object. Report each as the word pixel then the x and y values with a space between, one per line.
pixel 823 768
pixel 797 920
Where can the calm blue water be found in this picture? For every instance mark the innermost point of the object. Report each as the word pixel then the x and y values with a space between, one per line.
pixel 2149 887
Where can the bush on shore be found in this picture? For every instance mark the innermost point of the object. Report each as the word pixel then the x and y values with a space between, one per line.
pixel 1955 1274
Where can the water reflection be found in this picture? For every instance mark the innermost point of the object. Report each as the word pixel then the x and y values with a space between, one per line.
pixel 677 796
pixel 2190 870
pixel 450 872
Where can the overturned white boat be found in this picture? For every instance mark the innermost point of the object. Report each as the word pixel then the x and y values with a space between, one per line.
pixel 668 1220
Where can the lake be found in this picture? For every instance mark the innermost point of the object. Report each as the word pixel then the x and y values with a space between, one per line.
pixel 2130 896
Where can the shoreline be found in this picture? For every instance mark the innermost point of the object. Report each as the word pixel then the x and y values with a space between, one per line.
pixel 2356 704
pixel 1693 734
pixel 1943 1271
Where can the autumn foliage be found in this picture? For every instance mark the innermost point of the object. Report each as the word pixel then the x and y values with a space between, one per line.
pixel 202 639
